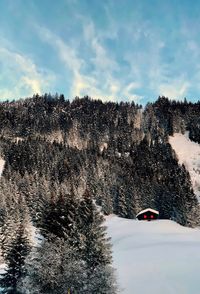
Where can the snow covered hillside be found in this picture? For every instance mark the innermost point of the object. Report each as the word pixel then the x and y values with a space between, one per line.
pixel 2 162
pixel 188 153
pixel 2 266
pixel 155 257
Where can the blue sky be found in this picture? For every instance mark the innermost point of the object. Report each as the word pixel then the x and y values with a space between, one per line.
pixel 113 50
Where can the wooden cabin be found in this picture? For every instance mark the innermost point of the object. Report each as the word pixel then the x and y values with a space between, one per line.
pixel 148 214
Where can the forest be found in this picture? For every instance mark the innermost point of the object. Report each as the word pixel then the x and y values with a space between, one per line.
pixel 68 164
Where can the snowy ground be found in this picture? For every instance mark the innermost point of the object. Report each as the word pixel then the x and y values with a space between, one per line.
pixel 188 153
pixel 2 271
pixel 155 257
pixel 2 266
pixel 2 162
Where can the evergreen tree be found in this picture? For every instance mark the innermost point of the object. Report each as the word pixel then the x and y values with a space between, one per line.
pixel 96 251
pixel 54 268
pixel 15 259
pixel 59 217
pixel 121 205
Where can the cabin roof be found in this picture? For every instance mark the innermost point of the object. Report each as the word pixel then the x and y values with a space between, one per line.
pixel 147 209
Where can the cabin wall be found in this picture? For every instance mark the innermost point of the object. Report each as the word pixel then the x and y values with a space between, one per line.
pixel 148 216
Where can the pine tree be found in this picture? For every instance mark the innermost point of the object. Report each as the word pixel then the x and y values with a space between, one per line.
pixel 97 248
pixel 101 280
pixel 96 251
pixel 54 267
pixel 15 258
pixel 59 217
pixel 121 206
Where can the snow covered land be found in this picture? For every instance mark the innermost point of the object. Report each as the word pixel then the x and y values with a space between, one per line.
pixel 188 153
pixel 2 271
pixel 2 162
pixel 155 257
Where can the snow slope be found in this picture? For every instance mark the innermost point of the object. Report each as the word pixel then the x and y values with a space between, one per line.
pixel 2 162
pixel 2 271
pixel 188 153
pixel 155 257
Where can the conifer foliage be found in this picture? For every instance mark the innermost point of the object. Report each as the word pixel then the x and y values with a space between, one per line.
pixel 15 260
pixel 75 255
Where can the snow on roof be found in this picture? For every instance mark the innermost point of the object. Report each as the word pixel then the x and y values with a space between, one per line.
pixel 148 209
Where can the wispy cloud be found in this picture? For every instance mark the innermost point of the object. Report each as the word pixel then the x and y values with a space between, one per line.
pixel 99 82
pixel 20 76
pixel 68 55
pixel 102 60
pixel 177 90
pixel 104 64
pixel 107 68
pixel 105 49
pixel 104 79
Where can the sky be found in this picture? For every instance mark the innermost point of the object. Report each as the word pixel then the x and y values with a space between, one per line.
pixel 119 50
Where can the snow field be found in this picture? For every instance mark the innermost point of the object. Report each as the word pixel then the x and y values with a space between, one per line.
pixel 188 153
pixel 155 257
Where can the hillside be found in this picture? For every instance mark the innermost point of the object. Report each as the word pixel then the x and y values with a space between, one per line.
pixel 67 164
pixel 105 146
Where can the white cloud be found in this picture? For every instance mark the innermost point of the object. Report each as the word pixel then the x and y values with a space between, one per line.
pixel 33 84
pixel 19 76
pixel 102 60
pixel 106 66
pixel 70 60
pixel 82 84
pixel 129 91
pixel 177 90
pixel 157 68
pixel 101 81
